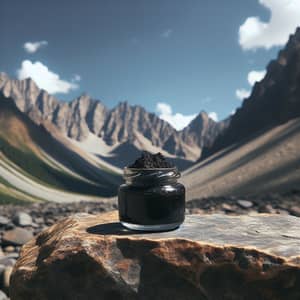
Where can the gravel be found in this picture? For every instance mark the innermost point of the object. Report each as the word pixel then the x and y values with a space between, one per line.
pixel 20 223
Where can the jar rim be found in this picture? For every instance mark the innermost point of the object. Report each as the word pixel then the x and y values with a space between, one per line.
pixel 148 176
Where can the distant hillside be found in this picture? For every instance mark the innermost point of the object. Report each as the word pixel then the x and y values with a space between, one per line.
pixel 30 153
pixel 259 152
pixel 84 119
pixel 273 101
pixel 268 162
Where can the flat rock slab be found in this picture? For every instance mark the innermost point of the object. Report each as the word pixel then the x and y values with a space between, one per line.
pixel 208 257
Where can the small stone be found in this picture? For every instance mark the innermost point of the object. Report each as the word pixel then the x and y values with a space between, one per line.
pixel 49 222
pixel 9 226
pixel 3 296
pixel 245 203
pixel 227 207
pixel 39 220
pixel 14 255
pixel 295 210
pixel 17 236
pixel 22 219
pixel 282 212
pixel 35 225
pixel 9 249
pixel 6 277
pixel 7 261
pixel 268 209
pixel 197 211
pixel 4 220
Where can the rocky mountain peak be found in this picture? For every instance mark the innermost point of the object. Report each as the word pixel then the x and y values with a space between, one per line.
pixel 84 98
pixel 202 119
pixel 124 123
pixel 273 101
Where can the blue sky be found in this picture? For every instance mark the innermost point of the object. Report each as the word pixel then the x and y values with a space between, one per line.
pixel 173 57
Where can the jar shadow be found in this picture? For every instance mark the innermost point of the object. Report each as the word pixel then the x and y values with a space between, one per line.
pixel 114 228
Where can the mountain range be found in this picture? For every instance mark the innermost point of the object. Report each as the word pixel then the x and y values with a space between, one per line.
pixel 106 132
pixel 259 152
pixel 36 164
pixel 273 101
pixel 52 149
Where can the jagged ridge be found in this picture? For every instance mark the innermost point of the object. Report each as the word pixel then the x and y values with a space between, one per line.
pixel 124 123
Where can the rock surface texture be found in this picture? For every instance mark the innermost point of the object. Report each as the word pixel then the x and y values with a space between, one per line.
pixel 209 257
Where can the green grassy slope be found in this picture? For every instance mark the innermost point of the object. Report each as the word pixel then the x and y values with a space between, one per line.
pixel 21 142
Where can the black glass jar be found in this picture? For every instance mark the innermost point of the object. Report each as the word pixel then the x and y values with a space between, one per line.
pixel 151 199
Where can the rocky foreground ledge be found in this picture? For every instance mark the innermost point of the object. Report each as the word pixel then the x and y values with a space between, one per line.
pixel 209 257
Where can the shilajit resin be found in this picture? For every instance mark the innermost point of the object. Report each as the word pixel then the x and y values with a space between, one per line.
pixel 151 198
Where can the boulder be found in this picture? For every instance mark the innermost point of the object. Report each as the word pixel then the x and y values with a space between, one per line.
pixel 208 257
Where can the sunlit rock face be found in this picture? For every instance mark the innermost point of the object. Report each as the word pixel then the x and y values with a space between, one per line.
pixel 209 257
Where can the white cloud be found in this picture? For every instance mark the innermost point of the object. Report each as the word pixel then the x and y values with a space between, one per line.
pixel 255 76
pixel 285 17
pixel 163 108
pixel 167 33
pixel 32 47
pixel 213 115
pixel 44 78
pixel 178 121
pixel 242 93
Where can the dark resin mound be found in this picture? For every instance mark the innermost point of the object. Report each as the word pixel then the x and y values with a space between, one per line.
pixel 148 160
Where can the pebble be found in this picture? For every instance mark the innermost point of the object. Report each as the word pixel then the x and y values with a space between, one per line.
pixel 49 222
pixel 39 220
pixel 4 220
pixel 268 209
pixel 14 255
pixel 7 261
pixel 282 212
pixel 3 296
pixel 17 236
pixel 227 207
pixel 22 219
pixel 9 249
pixel 198 211
pixel 39 216
pixel 295 210
pixel 245 203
